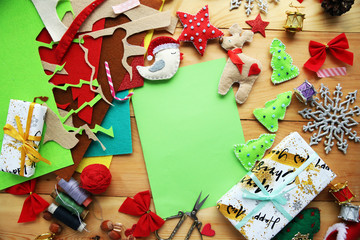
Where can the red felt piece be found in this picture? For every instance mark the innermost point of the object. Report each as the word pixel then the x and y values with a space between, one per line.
pixel 139 206
pixel 254 70
pixel 33 204
pixel 336 47
pixel 258 25
pixel 160 43
pixel 69 35
pixel 197 29
pixel 300 1
pixel 207 231
pixel 343 231
pixel 76 67
pixel 62 106
pixel 137 80
pixel 235 59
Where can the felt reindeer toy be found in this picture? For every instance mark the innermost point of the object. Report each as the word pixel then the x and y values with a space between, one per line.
pixel 239 67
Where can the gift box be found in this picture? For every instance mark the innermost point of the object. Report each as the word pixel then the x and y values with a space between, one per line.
pixel 22 135
pixel 278 187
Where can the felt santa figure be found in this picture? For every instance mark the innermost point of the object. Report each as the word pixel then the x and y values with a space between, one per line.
pixel 343 231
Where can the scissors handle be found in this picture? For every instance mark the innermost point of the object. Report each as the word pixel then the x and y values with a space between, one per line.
pixel 182 217
pixel 196 224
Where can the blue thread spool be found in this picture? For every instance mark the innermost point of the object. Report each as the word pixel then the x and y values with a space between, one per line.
pixel 75 192
pixel 66 217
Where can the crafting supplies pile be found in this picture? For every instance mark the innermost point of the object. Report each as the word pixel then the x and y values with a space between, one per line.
pixel 66 109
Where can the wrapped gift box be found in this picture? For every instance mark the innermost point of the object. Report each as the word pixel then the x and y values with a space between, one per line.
pixel 10 159
pixel 276 190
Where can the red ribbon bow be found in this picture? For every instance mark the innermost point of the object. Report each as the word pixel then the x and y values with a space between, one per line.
pixel 336 47
pixel 235 59
pixel 33 204
pixel 139 206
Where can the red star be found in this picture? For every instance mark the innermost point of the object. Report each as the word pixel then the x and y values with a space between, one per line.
pixel 197 29
pixel 258 25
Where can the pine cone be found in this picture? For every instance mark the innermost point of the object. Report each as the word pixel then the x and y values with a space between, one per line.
pixel 337 7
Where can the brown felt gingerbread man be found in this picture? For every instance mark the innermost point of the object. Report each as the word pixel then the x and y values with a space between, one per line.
pixel 239 67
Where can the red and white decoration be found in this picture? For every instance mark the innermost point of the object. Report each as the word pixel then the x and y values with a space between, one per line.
pixel 342 231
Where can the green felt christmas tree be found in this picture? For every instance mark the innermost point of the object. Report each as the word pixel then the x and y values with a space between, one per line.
pixel 253 150
pixel 281 62
pixel 306 222
pixel 274 110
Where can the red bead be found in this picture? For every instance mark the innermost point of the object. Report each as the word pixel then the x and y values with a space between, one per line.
pixel 55 228
pixel 107 225
pixel 114 235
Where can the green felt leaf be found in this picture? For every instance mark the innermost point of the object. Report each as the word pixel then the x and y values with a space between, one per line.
pixel 281 63
pixel 274 110
pixel 307 221
pixel 253 150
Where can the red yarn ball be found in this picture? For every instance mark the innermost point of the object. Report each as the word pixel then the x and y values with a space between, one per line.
pixel 95 178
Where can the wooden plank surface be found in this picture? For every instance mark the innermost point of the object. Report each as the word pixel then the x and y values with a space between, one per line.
pixel 129 171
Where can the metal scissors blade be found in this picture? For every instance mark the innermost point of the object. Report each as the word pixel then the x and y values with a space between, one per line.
pixel 198 205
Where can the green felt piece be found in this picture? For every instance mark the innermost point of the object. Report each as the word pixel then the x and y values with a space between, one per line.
pixel 307 221
pixel 281 62
pixel 253 150
pixel 274 110
pixel 22 77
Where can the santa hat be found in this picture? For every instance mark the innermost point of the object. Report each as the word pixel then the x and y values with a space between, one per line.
pixel 161 43
pixel 341 231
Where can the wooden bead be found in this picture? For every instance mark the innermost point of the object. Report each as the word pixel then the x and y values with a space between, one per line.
pixel 47 215
pixel 107 225
pixel 55 228
pixel 114 235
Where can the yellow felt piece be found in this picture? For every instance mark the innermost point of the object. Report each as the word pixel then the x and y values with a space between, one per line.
pixel 105 160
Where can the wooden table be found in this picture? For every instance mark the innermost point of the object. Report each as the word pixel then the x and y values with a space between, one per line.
pixel 129 172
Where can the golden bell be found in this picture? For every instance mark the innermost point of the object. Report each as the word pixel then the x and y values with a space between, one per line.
pixel 294 21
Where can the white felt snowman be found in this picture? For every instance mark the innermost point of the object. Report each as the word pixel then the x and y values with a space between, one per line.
pixel 167 59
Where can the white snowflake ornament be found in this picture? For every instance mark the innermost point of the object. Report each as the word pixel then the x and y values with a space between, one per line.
pixel 332 118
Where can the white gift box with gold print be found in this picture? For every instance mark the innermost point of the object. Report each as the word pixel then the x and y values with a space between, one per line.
pixel 290 177
pixel 11 149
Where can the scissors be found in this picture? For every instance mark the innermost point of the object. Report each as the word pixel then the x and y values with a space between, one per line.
pixel 182 215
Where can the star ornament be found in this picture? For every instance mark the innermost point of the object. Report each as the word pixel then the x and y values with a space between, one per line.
pixel 258 25
pixel 198 29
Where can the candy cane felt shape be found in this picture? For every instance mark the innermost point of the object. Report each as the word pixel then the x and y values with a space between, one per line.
pixel 111 85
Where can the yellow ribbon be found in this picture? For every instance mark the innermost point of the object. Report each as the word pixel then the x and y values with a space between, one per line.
pixel 28 147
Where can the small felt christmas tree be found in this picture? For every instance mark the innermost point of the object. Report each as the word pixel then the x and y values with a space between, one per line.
pixel 253 150
pixel 281 62
pixel 274 110
pixel 307 223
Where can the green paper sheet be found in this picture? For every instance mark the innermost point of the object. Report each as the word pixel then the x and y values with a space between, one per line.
pixel 187 132
pixel 22 77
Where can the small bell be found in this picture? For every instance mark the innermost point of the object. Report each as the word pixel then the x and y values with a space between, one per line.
pixel 300 236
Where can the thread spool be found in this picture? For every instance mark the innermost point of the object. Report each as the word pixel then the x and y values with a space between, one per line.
pixel 63 215
pixel 73 189
pixel 68 203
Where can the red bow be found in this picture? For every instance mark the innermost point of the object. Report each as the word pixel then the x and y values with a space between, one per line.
pixel 139 206
pixel 336 47
pixel 33 204
pixel 235 59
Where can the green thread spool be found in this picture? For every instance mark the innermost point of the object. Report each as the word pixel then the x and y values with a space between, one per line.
pixel 67 202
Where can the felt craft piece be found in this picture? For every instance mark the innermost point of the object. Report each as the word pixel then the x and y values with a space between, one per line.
pixel 198 29
pixel 125 6
pixel 33 204
pixel 49 16
pixel 274 110
pixel 207 231
pixel 281 63
pixel 307 222
pixel 167 59
pixel 337 47
pixel 323 119
pixel 158 107
pixel 86 161
pixel 159 20
pixel 139 206
pixel 258 25
pixel 68 37
pixel 118 117
pixel 56 132
pixel 331 72
pixel 343 231
pixel 239 67
pixel 146 8
pixel 22 136
pixel 253 150
pixel 53 68
pixel 91 135
pixel 95 178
